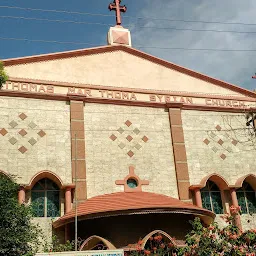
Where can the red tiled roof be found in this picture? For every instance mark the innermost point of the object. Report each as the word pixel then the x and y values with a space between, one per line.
pixel 115 203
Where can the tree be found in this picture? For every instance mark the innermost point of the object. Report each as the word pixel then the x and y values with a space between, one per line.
pixel 18 235
pixel 3 75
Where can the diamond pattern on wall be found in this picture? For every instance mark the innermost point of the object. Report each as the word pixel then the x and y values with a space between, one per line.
pixel 145 139
pixel 13 124
pixel 41 133
pixel 223 156
pixel 121 145
pixel 136 131
pixel 129 138
pixel 12 140
pixel 128 123
pixel 22 149
pixel 32 141
pixel 234 142
pixel 220 141
pixel 130 154
pixel 22 116
pixel 113 137
pixel 32 125
pixel 120 130
pixel 21 134
pixel 218 128
pixel 3 132
pixel 138 146
pixel 206 141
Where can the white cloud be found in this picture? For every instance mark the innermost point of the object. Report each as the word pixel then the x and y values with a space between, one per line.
pixel 234 67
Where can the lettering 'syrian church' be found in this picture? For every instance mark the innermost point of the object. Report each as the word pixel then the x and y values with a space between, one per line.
pixel 141 144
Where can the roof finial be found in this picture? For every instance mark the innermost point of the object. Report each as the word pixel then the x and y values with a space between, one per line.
pixel 116 6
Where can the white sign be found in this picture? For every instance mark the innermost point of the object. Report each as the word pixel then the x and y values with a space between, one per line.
pixel 85 253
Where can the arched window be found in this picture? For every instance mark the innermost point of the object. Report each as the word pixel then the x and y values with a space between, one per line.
pixel 246 198
pixel 211 198
pixel 45 196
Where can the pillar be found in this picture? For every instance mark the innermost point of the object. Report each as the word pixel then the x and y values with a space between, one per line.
pixel 68 200
pixel 198 197
pixel 78 148
pixel 235 204
pixel 21 195
pixel 179 153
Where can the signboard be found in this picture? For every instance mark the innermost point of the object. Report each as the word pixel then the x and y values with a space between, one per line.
pixel 95 92
pixel 85 253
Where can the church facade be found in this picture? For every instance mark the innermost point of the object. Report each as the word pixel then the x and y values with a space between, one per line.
pixel 139 144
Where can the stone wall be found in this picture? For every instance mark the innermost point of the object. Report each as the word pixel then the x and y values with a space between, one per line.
pixel 109 153
pixel 218 142
pixel 34 136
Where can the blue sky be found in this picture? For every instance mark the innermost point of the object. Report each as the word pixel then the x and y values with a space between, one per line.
pixel 233 67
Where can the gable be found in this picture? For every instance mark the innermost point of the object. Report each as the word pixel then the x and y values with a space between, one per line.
pixel 118 67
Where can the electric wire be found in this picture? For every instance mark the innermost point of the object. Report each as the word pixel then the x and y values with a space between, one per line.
pixel 60 21
pixel 128 16
pixel 149 47
pixel 46 41
pixel 142 27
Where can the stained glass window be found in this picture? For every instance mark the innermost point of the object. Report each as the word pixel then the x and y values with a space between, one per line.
pixel 211 198
pixel 45 196
pixel 246 197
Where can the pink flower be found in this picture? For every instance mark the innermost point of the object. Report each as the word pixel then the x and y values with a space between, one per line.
pixel 147 252
pixel 162 246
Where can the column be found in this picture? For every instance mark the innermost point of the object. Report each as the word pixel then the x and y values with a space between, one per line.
pixel 235 204
pixel 78 148
pixel 179 153
pixel 21 195
pixel 68 200
pixel 198 197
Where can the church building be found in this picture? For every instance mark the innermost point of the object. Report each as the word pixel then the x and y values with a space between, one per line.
pixel 130 144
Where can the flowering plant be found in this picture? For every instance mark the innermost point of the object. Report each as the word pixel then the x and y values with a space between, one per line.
pixel 205 241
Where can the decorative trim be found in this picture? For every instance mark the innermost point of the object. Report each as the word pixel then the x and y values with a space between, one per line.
pixel 62 97
pixel 250 178
pixel 216 178
pixel 204 214
pixel 126 89
pixel 45 174
pixel 132 175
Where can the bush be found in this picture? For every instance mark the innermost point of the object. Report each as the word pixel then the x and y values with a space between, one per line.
pixel 3 75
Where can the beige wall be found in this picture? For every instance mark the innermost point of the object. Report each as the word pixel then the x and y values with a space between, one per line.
pixel 202 158
pixel 248 221
pixel 106 162
pixel 119 69
pixel 51 152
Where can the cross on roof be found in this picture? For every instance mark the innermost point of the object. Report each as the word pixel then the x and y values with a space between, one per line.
pixel 116 6
pixel 254 77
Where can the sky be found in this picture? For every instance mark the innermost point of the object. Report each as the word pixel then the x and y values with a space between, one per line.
pixel 156 26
